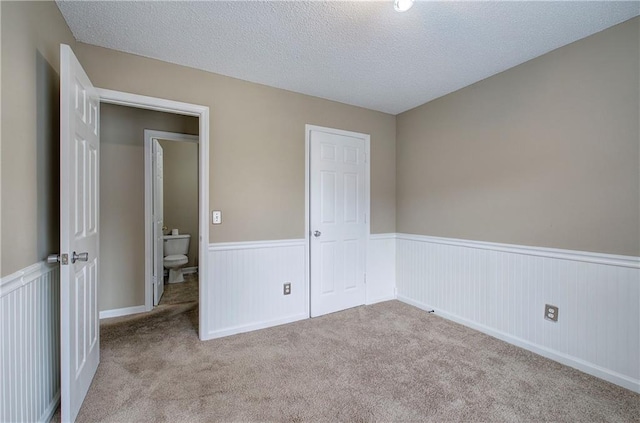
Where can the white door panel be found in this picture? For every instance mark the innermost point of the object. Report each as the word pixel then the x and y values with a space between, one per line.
pixel 79 231
pixel 158 220
pixel 338 212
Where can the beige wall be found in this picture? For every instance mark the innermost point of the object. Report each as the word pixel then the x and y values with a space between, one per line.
pixel 29 174
pixel 122 199
pixel 257 138
pixel 544 154
pixel 181 191
pixel 256 142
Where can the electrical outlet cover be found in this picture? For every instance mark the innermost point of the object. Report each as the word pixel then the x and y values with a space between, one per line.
pixel 551 312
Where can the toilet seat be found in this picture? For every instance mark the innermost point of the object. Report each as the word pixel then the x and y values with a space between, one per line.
pixel 175 260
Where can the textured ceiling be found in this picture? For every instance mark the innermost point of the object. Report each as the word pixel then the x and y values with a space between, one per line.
pixel 359 52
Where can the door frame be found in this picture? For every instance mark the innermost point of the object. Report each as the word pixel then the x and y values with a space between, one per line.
pixel 149 136
pixel 307 197
pixel 202 113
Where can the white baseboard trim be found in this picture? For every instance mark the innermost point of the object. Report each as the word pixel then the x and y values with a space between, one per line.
pixel 255 326
pixel 583 256
pixel 118 312
pixel 190 270
pixel 380 300
pixel 51 409
pixel 597 371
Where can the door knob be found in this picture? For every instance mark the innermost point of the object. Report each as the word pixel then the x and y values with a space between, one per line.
pixel 317 233
pixel 79 257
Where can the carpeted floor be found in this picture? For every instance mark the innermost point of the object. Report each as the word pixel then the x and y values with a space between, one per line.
pixel 385 362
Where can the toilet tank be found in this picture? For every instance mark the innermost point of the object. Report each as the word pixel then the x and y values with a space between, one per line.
pixel 176 244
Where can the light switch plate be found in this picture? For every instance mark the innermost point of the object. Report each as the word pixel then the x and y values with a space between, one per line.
pixel 216 217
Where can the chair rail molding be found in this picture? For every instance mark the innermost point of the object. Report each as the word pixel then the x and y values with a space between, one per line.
pixel 573 255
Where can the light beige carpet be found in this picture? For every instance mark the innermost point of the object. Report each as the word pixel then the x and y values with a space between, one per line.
pixel 386 362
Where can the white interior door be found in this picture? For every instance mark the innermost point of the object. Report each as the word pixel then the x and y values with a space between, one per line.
pixel 158 222
pixel 338 219
pixel 79 223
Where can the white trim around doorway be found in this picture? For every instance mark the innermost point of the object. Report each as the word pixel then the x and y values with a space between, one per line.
pixel 202 113
pixel 149 136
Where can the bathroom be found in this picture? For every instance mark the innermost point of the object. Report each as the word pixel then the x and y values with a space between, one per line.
pixel 180 212
pixel 124 283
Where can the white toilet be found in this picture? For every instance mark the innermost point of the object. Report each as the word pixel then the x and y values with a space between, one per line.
pixel 176 248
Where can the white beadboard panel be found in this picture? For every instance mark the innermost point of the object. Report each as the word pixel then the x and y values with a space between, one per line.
pixel 30 333
pixel 502 289
pixel 381 268
pixel 246 286
pixel 126 311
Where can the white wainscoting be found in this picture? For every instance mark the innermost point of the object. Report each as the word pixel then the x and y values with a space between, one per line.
pixel 502 289
pixel 381 268
pixel 30 334
pixel 246 285
pixel 247 280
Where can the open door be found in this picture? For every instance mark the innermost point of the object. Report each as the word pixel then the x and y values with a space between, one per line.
pixel 158 222
pixel 79 212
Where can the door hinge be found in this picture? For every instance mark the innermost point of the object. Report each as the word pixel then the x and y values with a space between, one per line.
pixel 365 278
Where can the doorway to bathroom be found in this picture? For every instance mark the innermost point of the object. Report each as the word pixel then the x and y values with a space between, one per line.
pixel 123 241
pixel 171 214
pixel 124 117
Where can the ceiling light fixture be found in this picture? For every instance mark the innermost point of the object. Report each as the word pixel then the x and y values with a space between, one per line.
pixel 402 5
